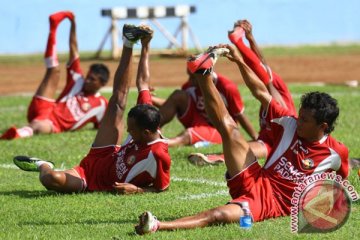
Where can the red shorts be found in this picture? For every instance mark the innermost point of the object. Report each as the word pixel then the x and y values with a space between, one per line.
pixel 253 186
pixel 97 169
pixel 40 108
pixel 198 127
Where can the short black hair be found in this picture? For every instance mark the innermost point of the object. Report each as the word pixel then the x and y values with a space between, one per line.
pixel 102 71
pixel 323 106
pixel 146 116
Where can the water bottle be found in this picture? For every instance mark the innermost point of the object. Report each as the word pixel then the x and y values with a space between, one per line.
pixel 245 220
pixel 202 144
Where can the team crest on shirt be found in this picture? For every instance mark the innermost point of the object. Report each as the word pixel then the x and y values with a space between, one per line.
pixel 85 106
pixel 307 163
pixel 131 160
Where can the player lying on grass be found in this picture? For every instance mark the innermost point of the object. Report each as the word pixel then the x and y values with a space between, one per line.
pixel 273 82
pixel 188 105
pixel 79 102
pixel 142 163
pixel 301 146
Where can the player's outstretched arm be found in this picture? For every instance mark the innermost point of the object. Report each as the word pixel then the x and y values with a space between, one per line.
pixel 157 101
pixel 143 73
pixel 246 25
pixel 74 50
pixel 247 126
pixel 112 125
pixel 256 86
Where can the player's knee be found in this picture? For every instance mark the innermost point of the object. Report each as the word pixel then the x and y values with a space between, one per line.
pixel 41 127
pixel 228 127
pixel 218 216
pixel 51 180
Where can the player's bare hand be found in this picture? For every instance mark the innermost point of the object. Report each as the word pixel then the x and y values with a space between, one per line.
pixel 146 40
pixel 233 54
pixel 246 25
pixel 125 188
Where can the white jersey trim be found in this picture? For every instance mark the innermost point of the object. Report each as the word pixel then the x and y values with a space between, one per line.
pixel 333 162
pixel 147 165
pixel 229 179
pixel 94 112
pixel 289 125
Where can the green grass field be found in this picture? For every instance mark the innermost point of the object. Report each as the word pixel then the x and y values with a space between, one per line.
pixel 28 211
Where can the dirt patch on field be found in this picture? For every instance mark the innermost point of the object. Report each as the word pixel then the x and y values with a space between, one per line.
pixel 167 72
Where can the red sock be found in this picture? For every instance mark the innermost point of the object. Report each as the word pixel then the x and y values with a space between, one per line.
pixel 57 17
pixel 11 133
pixel 252 60
pixel 51 59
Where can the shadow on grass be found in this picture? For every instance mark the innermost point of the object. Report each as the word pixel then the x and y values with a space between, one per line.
pixel 72 222
pixel 28 194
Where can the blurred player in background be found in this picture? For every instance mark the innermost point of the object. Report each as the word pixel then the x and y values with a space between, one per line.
pixel 142 163
pixel 273 82
pixel 187 104
pixel 79 102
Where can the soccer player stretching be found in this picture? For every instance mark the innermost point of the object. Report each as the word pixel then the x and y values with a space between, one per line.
pixel 267 189
pixel 79 102
pixel 139 165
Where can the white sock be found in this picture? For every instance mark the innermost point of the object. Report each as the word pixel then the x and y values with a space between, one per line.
pixel 51 62
pixel 41 162
pixel 127 43
pixel 25 132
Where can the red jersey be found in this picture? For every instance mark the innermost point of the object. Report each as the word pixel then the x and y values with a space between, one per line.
pixel 228 92
pixel 143 165
pixel 74 109
pixel 292 158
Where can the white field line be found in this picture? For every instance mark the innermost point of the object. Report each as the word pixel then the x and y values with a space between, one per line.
pixel 199 181
pixel 8 166
pixel 203 182
pixel 17 108
pixel 205 195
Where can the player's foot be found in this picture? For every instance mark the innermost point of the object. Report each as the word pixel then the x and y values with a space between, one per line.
pixel 11 133
pixel 30 163
pixel 148 223
pixel 200 159
pixel 57 17
pixel 204 62
pixel 134 33
pixel 236 34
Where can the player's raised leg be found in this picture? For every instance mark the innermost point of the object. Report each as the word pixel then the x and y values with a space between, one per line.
pixel 237 152
pixel 112 126
pixel 48 86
